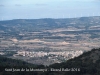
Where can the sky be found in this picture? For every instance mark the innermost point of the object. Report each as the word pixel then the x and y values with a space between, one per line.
pixel 35 9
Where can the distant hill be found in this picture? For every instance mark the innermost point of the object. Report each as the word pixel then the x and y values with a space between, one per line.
pixel 86 64
pixel 48 23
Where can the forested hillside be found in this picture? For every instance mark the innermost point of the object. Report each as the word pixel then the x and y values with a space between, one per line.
pixel 86 64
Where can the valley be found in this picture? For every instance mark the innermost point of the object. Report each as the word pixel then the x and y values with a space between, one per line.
pixel 48 41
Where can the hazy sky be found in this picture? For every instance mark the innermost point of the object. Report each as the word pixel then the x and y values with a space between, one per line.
pixel 33 9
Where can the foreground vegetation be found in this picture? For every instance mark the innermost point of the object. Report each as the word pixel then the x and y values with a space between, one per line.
pixel 86 64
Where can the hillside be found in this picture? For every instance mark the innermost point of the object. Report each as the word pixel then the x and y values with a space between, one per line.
pixel 86 64
pixel 47 23
pixel 10 66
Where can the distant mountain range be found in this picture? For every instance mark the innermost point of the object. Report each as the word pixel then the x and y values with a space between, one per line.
pixel 48 23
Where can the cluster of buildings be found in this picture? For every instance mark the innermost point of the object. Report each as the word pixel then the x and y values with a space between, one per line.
pixel 71 54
